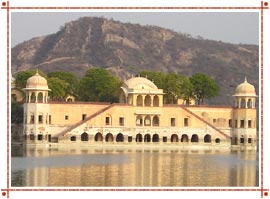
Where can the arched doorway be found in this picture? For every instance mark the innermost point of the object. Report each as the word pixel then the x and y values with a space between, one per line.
pixel 84 137
pixel 156 101
pixel 40 97
pixel 207 138
pixel 155 121
pixel 147 100
pixel 109 137
pixel 174 138
pixel 249 103
pixel 33 97
pixel 147 138
pixel 139 121
pixel 98 137
pixel 194 138
pixel 139 100
pixel 184 138
pixel 155 138
pixel 243 103
pixel 147 121
pixel 119 137
pixel 139 138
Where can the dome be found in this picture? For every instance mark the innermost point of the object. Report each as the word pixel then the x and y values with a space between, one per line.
pixel 245 89
pixel 139 83
pixel 37 82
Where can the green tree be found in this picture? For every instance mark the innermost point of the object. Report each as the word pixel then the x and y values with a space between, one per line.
pixel 58 88
pixel 204 87
pixel 69 78
pixel 16 113
pixel 187 90
pixel 22 77
pixel 159 78
pixel 98 85
pixel 172 88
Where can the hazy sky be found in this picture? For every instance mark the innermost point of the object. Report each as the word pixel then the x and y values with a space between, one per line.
pixel 232 27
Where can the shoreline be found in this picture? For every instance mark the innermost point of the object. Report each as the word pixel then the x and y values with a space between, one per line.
pixel 136 146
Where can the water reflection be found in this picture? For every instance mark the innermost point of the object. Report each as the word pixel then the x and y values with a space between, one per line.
pixel 132 167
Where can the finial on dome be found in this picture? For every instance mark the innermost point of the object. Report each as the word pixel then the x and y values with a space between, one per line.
pixel 37 72
pixel 245 78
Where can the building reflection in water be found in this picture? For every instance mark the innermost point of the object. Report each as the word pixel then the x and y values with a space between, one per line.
pixel 133 167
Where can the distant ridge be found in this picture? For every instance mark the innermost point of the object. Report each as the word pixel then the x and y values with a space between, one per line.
pixel 125 49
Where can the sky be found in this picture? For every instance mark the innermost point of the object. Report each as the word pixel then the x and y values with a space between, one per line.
pixel 231 27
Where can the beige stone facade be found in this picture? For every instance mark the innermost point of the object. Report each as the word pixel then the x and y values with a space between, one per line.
pixel 140 118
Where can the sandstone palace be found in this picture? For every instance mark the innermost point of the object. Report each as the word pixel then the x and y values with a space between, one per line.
pixel 140 118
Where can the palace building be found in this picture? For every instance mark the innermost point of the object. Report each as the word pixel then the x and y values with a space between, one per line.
pixel 140 118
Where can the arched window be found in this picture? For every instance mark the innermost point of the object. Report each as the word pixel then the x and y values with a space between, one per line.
pixel 249 140
pixel 84 137
pixel 155 138
pixel 207 138
pixel 147 100
pixel 119 137
pixel 249 103
pixel 98 137
pixel 139 100
pixel 147 138
pixel 109 137
pixel 243 103
pixel 147 121
pixel 174 138
pixel 73 138
pixel 184 138
pixel 156 101
pixel 139 121
pixel 122 96
pixel 139 138
pixel 194 138
pixel 155 121
pixel 40 97
pixel 33 97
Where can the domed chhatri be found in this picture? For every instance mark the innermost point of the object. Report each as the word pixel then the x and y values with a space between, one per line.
pixel 37 82
pixel 245 89
pixel 139 83
pixel 36 89
pixel 140 91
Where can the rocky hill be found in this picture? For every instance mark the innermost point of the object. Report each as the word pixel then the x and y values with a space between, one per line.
pixel 126 49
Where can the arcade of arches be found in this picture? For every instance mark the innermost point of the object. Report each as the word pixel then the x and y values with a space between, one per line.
pixel 146 138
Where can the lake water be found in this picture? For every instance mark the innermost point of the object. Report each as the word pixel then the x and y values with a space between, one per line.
pixel 132 167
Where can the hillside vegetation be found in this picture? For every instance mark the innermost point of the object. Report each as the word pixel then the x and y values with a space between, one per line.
pixel 125 49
